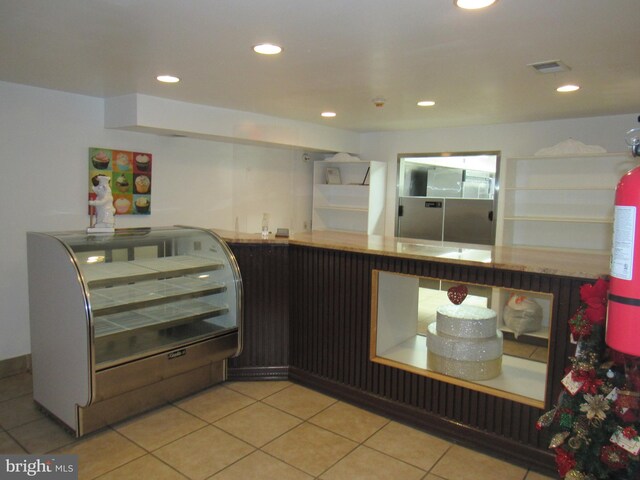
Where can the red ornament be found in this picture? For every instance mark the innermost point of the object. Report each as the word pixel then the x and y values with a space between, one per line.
pixel 457 294
pixel 580 325
pixel 565 461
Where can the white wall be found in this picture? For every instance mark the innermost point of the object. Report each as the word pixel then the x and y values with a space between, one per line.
pixel 44 141
pixel 516 139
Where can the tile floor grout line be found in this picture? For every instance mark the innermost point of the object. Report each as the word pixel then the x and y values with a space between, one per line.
pixel 30 421
pixel 339 459
pixel 4 380
pixel 331 431
pixel 17 442
pixel 291 384
pixel 42 412
pixel 285 462
pixel 113 427
pixel 255 449
pixel 426 472
pixel 64 428
pixel 78 441
pixel 226 387
pixel 270 441
pixel 451 445
pixel 401 460
pixel 133 460
pixel 224 416
pixel 302 418
pixel 388 421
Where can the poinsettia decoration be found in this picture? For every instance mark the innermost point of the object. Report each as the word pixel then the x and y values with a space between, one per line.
pixel 594 298
pixel 594 427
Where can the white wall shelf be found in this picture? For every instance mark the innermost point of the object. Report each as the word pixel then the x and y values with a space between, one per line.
pixel 343 209
pixel 355 205
pixel 567 188
pixel 563 201
pixel 560 219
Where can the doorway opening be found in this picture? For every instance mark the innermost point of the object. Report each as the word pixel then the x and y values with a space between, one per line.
pixel 450 197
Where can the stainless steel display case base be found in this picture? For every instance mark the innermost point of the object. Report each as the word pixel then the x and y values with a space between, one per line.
pixel 129 389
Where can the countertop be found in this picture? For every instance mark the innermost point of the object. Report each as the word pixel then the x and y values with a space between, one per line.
pixel 570 263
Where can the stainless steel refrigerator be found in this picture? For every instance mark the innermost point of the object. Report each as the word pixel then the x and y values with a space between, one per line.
pixel 446 219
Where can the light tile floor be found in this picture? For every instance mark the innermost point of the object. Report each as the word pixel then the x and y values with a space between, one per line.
pixel 248 430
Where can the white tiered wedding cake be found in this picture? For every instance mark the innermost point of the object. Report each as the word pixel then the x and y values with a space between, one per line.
pixel 464 342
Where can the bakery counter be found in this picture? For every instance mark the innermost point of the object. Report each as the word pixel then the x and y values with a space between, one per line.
pixel 311 303
pixel 570 263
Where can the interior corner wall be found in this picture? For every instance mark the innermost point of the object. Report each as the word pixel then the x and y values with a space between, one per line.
pixel 45 137
pixel 514 139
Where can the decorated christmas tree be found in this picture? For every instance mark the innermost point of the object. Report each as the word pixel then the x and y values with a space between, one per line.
pixel 594 426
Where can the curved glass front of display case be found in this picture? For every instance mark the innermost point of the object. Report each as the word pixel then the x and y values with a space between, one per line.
pixel 152 290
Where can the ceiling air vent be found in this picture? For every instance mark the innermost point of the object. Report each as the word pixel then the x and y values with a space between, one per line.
pixel 551 66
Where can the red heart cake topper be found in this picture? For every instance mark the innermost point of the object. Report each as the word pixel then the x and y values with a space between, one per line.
pixel 457 294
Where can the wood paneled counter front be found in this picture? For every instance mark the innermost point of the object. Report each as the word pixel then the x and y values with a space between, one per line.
pixel 308 310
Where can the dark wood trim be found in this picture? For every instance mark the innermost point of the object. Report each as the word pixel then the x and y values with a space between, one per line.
pixel 307 313
pixel 265 277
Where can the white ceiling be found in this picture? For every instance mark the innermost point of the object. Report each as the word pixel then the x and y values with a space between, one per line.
pixel 338 55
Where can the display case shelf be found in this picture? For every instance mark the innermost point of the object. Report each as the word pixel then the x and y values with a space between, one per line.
pixel 146 294
pixel 520 378
pixel 155 318
pixel 106 274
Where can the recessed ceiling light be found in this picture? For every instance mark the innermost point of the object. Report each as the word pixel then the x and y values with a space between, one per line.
pixel 267 49
pixel 426 103
pixel 328 114
pixel 568 88
pixel 473 4
pixel 167 79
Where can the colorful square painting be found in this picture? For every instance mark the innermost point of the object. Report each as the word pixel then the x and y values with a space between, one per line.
pixel 130 174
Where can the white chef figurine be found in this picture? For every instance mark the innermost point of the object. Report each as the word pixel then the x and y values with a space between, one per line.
pixel 105 220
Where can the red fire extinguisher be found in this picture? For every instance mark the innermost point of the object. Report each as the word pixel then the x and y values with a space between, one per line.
pixel 623 316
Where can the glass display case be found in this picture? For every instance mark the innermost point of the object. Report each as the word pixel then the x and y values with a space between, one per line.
pixel 496 342
pixel 124 322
